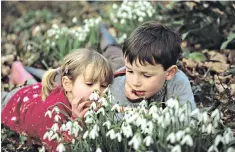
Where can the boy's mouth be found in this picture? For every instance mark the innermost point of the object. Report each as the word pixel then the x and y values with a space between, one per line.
pixel 138 93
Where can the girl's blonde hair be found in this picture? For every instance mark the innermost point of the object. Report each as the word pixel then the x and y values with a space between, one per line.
pixel 75 64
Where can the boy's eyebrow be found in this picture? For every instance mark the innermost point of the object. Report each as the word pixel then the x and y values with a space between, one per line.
pixel 128 67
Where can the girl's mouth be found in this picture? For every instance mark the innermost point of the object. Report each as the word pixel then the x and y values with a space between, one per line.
pixel 138 93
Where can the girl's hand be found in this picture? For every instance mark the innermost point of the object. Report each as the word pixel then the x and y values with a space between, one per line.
pixel 80 107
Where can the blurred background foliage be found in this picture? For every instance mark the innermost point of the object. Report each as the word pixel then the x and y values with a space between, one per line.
pixel 49 30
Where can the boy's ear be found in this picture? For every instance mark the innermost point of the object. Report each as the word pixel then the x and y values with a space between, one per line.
pixel 171 71
pixel 67 84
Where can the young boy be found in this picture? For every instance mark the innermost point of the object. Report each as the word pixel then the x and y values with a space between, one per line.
pixel 150 71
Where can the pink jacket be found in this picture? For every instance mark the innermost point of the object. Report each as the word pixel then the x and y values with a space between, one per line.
pixel 25 113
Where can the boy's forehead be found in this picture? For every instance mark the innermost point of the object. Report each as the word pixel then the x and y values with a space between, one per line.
pixel 147 67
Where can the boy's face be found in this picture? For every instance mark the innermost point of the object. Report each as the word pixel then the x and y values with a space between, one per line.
pixel 143 81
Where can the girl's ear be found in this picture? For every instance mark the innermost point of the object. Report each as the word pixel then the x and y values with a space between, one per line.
pixel 171 71
pixel 67 84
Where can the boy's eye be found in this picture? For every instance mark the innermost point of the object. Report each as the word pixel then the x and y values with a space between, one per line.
pixel 129 71
pixel 146 76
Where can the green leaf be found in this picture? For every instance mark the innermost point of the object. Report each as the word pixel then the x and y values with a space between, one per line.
pixel 230 38
pixel 23 139
pixel 184 35
pixel 197 56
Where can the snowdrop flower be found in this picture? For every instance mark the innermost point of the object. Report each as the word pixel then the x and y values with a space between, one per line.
pixel 94 96
pixel 55 127
pixel 107 124
pixel 230 149
pixel 53 44
pixel 101 110
pixel 126 130
pixel 142 122
pixel 193 123
pixel 218 139
pixel 205 117
pixel 60 148
pixel 177 148
pixel 46 135
pixel 182 117
pixel 98 150
pixel 173 103
pixel 57 118
pixel 210 129
pixel 93 106
pixel 153 111
pixel 122 21
pixel 116 107
pixel 63 127
pixel 74 20
pixel 135 141
pixel 143 103
pixel 119 136
pixel 149 128
pixel 171 137
pixel 148 140
pixel 213 149
pixel 89 113
pixel 111 134
pixel 55 26
pixel 228 137
pixel 69 125
pixel 85 134
pixel 166 120
pixel 56 109
pixel 94 132
pixel 55 136
pixel 195 112
pixel 179 135
pixel 89 120
pixel 204 129
pixel 215 115
pixel 103 102
pixel 115 6
pixel 188 140
pixel 43 149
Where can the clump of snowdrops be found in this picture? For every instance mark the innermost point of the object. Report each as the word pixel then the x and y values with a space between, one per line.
pixel 129 14
pixel 148 127
pixel 60 40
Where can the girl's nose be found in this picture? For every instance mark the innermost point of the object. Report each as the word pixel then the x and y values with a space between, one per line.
pixel 97 87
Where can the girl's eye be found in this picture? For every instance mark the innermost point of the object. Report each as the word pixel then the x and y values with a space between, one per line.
pixel 89 84
pixel 146 76
pixel 104 86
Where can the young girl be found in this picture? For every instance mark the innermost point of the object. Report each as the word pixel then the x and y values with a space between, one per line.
pixel 82 72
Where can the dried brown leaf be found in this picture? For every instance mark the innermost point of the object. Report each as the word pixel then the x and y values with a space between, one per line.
pixel 216 56
pixel 217 66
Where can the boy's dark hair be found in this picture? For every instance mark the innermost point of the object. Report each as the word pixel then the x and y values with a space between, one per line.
pixel 154 44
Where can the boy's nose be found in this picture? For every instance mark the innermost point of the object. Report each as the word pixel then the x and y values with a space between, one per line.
pixel 136 81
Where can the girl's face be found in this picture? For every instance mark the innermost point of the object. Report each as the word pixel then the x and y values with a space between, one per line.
pixel 83 86
pixel 144 81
